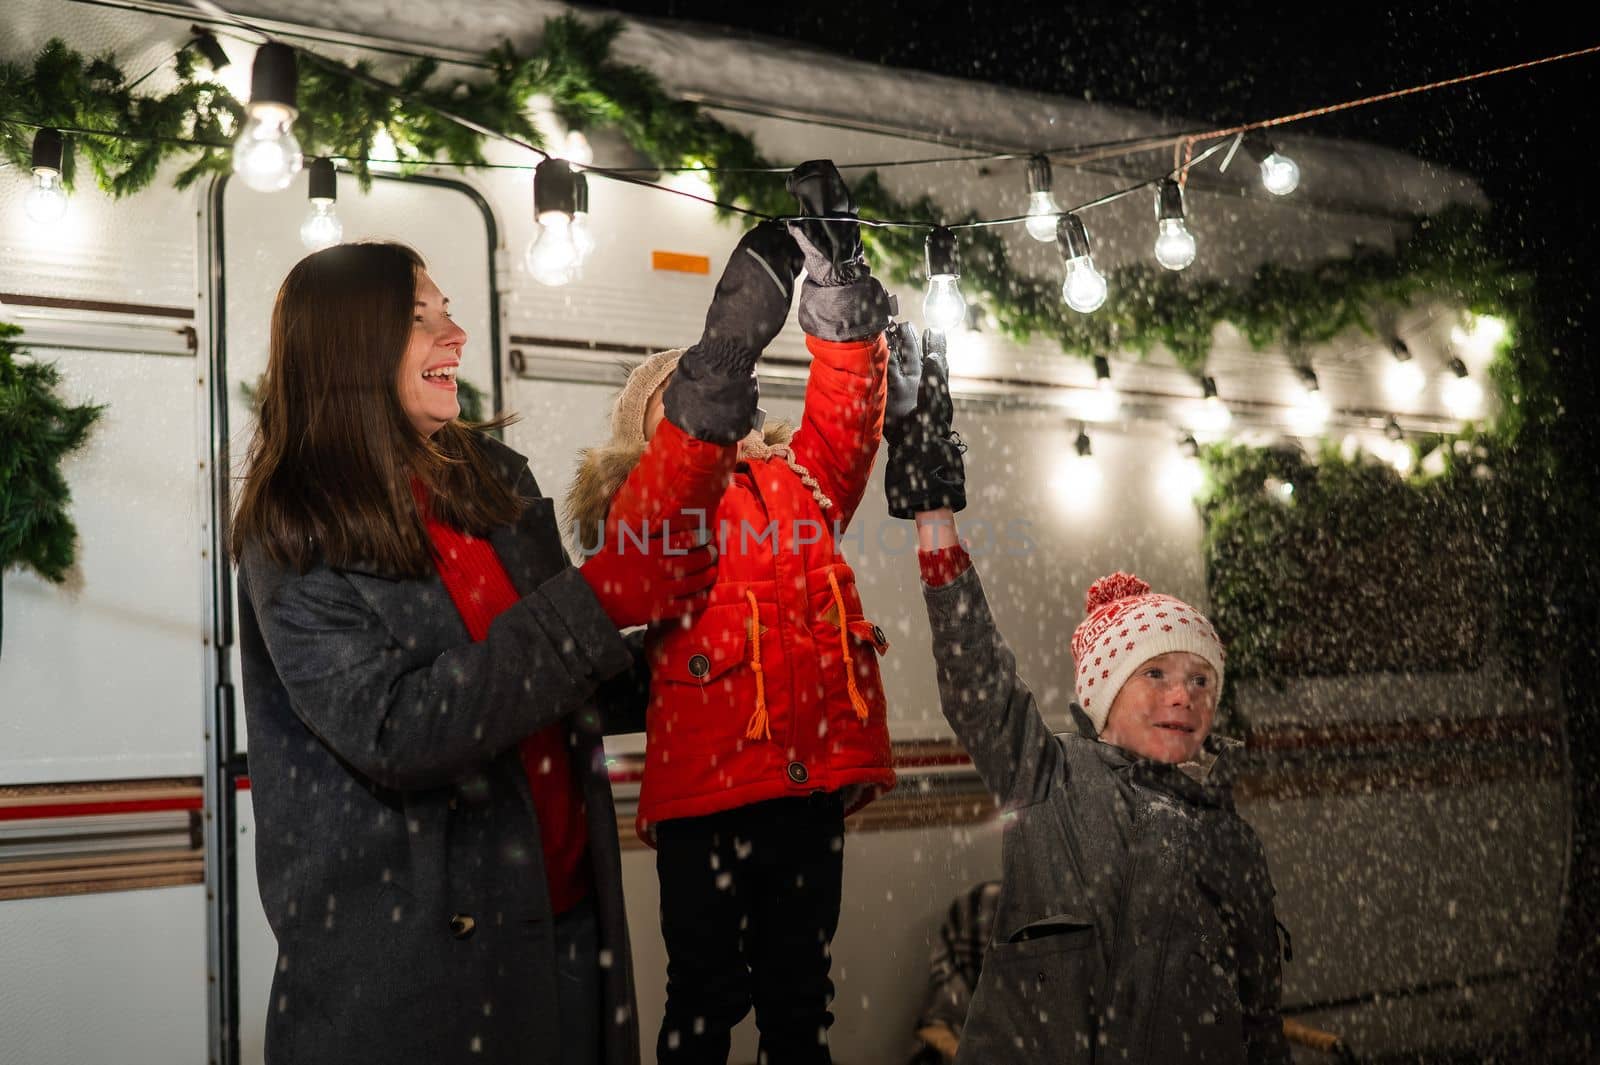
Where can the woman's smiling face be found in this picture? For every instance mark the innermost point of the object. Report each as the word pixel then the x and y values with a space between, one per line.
pixel 1165 710
pixel 426 383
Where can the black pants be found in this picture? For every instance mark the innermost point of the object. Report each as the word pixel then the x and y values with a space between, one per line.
pixel 749 906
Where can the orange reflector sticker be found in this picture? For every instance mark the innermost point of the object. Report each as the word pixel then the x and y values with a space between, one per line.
pixel 683 264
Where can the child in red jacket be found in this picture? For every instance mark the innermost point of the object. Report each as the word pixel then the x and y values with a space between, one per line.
pixel 767 720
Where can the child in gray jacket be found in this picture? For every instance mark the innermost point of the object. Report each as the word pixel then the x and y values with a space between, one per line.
pixel 1136 920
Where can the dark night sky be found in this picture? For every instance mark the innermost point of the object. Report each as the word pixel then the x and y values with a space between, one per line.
pixel 1529 137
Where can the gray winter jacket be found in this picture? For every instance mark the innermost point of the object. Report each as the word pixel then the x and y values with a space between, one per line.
pixel 397 844
pixel 1136 920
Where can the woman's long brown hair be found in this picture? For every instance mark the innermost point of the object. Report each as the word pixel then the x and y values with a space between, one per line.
pixel 329 471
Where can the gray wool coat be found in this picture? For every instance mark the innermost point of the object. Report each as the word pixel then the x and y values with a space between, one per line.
pixel 397 846
pixel 1135 921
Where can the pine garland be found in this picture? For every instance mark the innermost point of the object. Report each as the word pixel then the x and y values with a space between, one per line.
pixel 37 430
pixel 1446 257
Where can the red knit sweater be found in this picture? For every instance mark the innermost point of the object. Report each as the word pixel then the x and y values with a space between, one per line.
pixel 480 588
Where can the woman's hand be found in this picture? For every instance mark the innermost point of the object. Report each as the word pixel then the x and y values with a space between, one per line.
pixel 925 471
pixel 662 580
pixel 840 299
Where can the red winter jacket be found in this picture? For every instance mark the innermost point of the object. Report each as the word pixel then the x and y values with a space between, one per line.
pixel 774 690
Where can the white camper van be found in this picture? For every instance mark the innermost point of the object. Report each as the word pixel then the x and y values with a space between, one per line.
pixel 130 928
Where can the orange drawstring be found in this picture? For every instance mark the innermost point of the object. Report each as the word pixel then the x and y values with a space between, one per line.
pixel 844 646
pixel 759 727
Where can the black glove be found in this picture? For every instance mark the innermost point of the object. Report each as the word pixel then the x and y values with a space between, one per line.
pixel 712 395
pixel 840 299
pixel 925 470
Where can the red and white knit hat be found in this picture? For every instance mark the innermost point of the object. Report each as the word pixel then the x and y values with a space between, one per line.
pixel 1125 626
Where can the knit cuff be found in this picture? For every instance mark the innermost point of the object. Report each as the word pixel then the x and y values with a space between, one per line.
pixel 943 565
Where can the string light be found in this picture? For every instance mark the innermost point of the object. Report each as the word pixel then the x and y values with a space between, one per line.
pixel 575 148
pixel 46 202
pixel 1403 378
pixel 1181 477
pixel 1280 175
pixel 1175 247
pixel 1482 335
pixel 1103 405
pixel 205 42
pixel 322 227
pixel 1401 456
pixel 1079 477
pixel 943 308
pixel 1042 209
pixel 1214 417
pixel 1311 410
pixel 266 156
pixel 1462 395
pixel 1085 287
pixel 553 258
pixel 582 235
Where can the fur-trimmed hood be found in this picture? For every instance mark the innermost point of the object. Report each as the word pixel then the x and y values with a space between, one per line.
pixel 603 469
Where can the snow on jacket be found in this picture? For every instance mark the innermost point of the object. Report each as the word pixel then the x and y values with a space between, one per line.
pixel 1136 921
pixel 774 690
pixel 397 847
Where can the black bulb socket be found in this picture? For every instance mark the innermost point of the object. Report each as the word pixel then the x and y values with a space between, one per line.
pixel 943 256
pixel 1071 237
pixel 1208 387
pixel 1169 200
pixel 208 47
pixel 555 188
pixel 48 148
pixel 1039 179
pixel 1082 445
pixel 273 77
pixel 1257 146
pixel 580 193
pixel 324 183
pixel 1102 368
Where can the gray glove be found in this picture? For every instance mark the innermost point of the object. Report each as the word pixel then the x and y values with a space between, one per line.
pixel 840 299
pixel 712 395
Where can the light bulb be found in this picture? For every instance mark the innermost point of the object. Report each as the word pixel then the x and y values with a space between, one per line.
pixel 1401 457
pixel 1181 479
pixel 1463 396
pixel 1404 380
pixel 1280 174
pixel 1213 416
pixel 1175 247
pixel 322 228
pixel 1085 287
pixel 943 308
pixel 1042 212
pixel 266 156
pixel 582 236
pixel 553 256
pixel 47 201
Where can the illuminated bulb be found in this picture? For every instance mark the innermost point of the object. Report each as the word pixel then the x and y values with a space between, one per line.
pixel 1085 287
pixel 1311 409
pixel 322 227
pixel 1175 247
pixel 1279 174
pixel 943 308
pixel 1181 478
pixel 1103 405
pixel 1401 457
pixel 553 255
pixel 1462 395
pixel 266 155
pixel 1282 491
pixel 1483 334
pixel 1213 417
pixel 1080 474
pixel 1403 379
pixel 1042 209
pixel 46 202
pixel 582 236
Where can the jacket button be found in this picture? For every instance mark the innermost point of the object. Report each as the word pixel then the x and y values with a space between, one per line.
pixel 699 666
pixel 878 636
pixel 797 772
pixel 462 925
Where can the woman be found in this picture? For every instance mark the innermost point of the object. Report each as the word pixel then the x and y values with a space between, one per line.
pixel 1135 921
pixel 426 681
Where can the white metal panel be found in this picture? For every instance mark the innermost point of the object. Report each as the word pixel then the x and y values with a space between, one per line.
pixel 102 678
pixel 118 977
